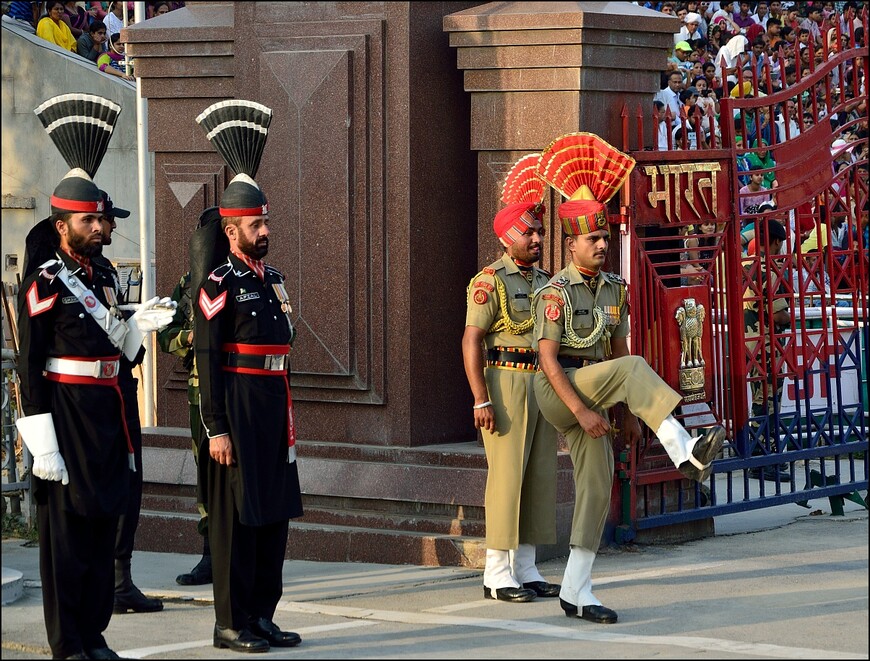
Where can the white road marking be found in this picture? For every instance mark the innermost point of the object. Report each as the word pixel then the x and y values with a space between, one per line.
pixel 697 643
pixel 144 652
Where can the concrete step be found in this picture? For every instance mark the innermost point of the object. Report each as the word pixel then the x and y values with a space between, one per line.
pixel 176 533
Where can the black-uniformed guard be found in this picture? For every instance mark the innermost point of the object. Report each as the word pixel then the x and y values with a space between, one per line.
pixel 127 595
pixel 242 337
pixel 70 345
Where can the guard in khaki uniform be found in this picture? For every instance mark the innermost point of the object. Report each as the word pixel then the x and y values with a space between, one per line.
pixel 520 445
pixel 581 324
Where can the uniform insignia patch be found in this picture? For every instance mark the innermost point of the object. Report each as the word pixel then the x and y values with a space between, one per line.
pixel 211 307
pixel 480 297
pixel 241 298
pixel 553 297
pixel 69 300
pixel 484 285
pixel 553 312
pixel 489 271
pixel 36 305
pixel 90 302
pixel 561 282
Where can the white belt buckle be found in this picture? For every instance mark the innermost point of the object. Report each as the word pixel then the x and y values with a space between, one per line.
pixel 105 369
pixel 274 362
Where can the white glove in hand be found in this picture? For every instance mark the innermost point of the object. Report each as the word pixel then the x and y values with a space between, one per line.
pixel 37 432
pixel 152 315
pixel 51 466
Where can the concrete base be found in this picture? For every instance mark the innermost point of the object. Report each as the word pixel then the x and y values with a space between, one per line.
pixel 13 585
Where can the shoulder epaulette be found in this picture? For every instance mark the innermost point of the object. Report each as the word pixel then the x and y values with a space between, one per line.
pixel 559 282
pixel 489 270
pixel 614 277
pixel 221 272
pixel 49 269
pixel 273 270
pixel 544 271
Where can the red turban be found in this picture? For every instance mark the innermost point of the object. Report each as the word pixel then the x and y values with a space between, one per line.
pixel 514 220
pixel 582 217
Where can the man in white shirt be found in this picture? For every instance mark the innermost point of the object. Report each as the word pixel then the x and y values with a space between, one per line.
pixel 761 15
pixel 788 116
pixel 690 29
pixel 670 95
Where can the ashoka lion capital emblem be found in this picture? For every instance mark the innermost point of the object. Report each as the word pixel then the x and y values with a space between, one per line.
pixel 690 318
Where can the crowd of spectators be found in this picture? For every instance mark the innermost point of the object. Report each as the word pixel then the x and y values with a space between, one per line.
pixel 746 49
pixel 755 49
pixel 89 29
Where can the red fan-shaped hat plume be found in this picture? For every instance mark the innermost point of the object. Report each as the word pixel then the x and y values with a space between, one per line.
pixel 583 166
pixel 523 183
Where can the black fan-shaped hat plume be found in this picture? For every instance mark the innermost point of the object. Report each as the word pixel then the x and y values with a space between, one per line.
pixel 238 129
pixel 80 125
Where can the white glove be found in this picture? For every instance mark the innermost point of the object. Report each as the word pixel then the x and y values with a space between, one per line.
pixel 152 315
pixel 37 432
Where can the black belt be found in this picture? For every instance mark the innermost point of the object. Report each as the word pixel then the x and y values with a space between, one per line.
pixel 270 362
pixel 576 361
pixel 524 358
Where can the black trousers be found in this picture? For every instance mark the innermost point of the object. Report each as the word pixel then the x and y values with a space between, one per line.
pixel 247 564
pixel 129 520
pixel 76 568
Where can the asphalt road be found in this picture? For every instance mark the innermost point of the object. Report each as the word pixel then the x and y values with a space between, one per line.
pixel 776 583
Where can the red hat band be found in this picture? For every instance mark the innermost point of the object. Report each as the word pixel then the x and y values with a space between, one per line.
pixel 582 217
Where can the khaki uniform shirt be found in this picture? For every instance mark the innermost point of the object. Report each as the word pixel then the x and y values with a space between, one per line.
pixel 564 312
pixel 500 301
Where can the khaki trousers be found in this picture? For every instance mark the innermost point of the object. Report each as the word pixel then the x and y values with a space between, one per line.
pixel 629 379
pixel 520 495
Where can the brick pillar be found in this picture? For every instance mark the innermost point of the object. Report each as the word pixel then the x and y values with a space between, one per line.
pixel 537 70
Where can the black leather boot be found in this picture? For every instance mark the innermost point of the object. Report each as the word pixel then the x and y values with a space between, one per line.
pixel 201 573
pixel 127 596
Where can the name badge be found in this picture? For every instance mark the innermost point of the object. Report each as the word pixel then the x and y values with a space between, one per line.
pixel 584 311
pixel 68 300
pixel 241 298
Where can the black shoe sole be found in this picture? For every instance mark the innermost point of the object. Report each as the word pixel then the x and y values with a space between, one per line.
pixel 222 644
pixel 493 594
pixel 121 610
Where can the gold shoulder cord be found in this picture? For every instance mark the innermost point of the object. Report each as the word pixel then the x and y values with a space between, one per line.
pixel 505 323
pixel 570 338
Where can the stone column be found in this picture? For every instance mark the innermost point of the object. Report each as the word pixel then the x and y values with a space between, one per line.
pixel 537 70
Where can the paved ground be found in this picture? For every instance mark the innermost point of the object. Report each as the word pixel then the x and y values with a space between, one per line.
pixel 776 583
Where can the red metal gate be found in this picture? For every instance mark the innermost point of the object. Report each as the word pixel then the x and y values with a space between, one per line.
pixel 707 289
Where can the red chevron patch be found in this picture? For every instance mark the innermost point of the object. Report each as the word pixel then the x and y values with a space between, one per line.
pixel 211 307
pixel 35 305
